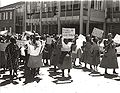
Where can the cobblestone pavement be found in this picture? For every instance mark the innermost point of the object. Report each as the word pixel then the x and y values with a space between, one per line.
pixel 81 81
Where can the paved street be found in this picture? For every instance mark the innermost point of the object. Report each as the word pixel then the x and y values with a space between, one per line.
pixel 49 82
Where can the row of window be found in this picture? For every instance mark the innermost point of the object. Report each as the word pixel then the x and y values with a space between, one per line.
pixel 65 5
pixel 97 4
pixel 6 15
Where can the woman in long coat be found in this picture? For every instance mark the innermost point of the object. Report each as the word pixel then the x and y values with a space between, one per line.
pixel 88 52
pixel 109 59
pixel 56 53
pixel 12 51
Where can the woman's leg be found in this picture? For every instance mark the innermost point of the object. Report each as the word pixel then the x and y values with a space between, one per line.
pixel 106 71
pixel 114 72
pixel 62 72
pixel 54 68
pixel 69 72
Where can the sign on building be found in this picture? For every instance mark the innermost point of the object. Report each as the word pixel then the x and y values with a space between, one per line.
pixel 97 32
pixel 68 32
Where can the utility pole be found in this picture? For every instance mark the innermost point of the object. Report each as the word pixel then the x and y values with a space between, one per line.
pixel 40 17
pixel 58 18
pixel 81 17
pixel 88 21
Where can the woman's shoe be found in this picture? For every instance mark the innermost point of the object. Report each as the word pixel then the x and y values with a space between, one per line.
pixel 115 72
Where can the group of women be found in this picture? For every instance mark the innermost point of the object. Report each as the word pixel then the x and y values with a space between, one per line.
pixel 62 53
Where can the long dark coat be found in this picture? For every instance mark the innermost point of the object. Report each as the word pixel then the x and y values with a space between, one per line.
pixel 88 53
pixel 54 59
pixel 13 53
pixel 3 58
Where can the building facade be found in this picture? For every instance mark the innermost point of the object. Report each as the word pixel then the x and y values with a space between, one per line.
pixel 12 17
pixel 49 17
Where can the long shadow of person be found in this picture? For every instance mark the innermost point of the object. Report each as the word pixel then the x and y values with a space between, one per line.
pixel 52 73
pixel 95 74
pixel 110 76
pixel 63 80
pixel 7 81
pixel 29 77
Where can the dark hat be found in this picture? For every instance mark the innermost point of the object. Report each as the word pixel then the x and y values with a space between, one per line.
pixel 12 40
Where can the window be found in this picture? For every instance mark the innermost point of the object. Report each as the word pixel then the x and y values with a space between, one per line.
pixel 76 5
pixel 45 7
pixel 85 4
pixel 28 7
pixel 116 6
pixel 62 6
pixel 6 15
pixel 10 15
pixel 38 7
pixel 0 16
pixel 50 7
pixel 92 4
pixel 69 5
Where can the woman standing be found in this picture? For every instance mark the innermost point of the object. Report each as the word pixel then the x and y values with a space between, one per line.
pixel 35 58
pixel 56 53
pixel 12 51
pixel 88 52
pixel 74 52
pixel 109 59
pixel 95 53
pixel 65 57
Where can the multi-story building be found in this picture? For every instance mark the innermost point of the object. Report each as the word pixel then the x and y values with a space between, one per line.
pixel 113 16
pixel 12 17
pixel 51 16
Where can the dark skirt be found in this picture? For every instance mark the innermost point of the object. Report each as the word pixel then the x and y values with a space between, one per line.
pixel 55 57
pixel 109 60
pixel 3 59
pixel 67 63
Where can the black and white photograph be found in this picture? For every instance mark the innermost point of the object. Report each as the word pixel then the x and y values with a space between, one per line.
pixel 60 46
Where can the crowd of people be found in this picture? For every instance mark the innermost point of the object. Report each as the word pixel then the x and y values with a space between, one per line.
pixel 36 51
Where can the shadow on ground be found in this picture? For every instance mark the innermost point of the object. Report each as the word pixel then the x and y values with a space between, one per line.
pixel 63 80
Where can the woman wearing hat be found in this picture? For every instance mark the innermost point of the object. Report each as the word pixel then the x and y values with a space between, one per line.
pixel 109 59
